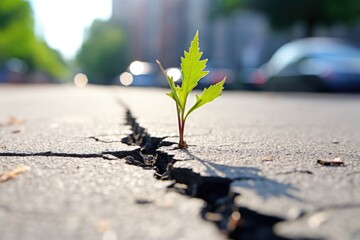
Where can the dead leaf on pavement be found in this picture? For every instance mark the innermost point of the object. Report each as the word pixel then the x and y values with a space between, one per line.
pixel 336 162
pixel 102 226
pixel 13 173
pixel 15 121
pixel 267 158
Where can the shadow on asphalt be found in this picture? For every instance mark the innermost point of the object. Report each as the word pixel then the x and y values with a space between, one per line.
pixel 220 206
pixel 250 178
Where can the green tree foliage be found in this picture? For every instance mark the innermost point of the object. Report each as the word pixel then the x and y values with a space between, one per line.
pixel 103 55
pixel 18 40
pixel 284 13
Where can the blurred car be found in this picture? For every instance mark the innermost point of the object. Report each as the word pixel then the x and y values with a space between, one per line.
pixel 140 74
pixel 311 64
pixel 216 74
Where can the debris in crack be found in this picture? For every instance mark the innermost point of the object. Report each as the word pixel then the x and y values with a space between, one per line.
pixel 149 156
pixel 140 137
pixel 233 222
pixel 252 225
pixel 141 162
pixel 163 165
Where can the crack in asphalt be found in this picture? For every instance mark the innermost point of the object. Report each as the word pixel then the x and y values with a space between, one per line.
pixel 51 154
pixel 233 222
pixel 295 171
pixel 117 154
pixel 97 139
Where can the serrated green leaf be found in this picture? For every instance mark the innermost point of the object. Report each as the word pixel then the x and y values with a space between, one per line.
pixel 173 94
pixel 192 68
pixel 208 95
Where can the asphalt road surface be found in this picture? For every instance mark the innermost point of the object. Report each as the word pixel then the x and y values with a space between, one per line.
pixel 71 166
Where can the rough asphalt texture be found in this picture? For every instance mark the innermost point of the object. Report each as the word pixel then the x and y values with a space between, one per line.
pixel 78 189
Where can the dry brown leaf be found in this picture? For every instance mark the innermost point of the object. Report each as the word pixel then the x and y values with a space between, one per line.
pixel 15 121
pixel 267 158
pixel 102 226
pixel 336 162
pixel 13 173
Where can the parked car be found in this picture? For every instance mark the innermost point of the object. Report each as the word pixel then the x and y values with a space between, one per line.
pixel 216 74
pixel 311 64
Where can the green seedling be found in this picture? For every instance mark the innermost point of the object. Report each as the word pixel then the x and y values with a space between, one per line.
pixel 192 70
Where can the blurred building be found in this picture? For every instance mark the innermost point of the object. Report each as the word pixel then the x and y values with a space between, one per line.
pixel 155 28
pixel 163 29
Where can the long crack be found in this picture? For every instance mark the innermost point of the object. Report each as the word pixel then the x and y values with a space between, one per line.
pixel 233 221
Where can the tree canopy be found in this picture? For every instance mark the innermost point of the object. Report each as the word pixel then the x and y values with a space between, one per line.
pixel 18 40
pixel 284 13
pixel 103 55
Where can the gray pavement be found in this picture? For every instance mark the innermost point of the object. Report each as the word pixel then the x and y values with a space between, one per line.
pixel 80 188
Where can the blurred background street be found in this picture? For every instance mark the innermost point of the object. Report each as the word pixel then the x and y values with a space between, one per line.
pixel 116 42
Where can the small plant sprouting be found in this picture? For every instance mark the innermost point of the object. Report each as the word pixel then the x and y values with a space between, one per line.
pixel 192 70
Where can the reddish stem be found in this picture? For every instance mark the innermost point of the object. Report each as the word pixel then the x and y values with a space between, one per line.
pixel 182 143
pixel 181 125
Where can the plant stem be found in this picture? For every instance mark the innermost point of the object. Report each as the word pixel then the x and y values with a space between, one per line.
pixel 182 143
pixel 181 125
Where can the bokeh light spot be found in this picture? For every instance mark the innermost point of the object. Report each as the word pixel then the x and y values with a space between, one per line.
pixel 137 68
pixel 126 79
pixel 175 73
pixel 80 80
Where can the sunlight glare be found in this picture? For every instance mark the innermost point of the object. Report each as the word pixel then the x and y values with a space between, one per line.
pixel 50 21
